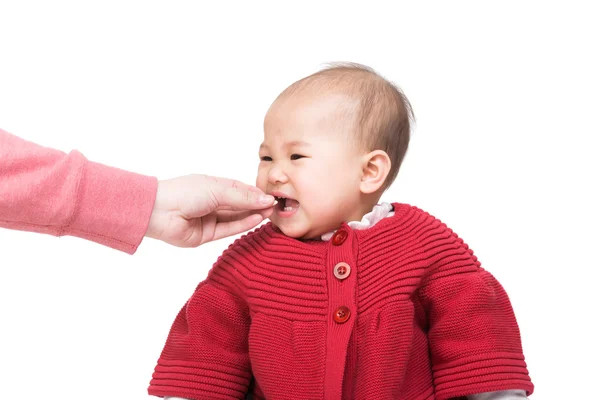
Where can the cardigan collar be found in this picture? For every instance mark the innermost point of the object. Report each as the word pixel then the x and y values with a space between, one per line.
pixel 380 211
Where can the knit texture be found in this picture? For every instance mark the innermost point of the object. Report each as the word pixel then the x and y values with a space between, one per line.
pixel 426 321
pixel 47 191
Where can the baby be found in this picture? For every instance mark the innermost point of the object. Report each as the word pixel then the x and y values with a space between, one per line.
pixel 339 297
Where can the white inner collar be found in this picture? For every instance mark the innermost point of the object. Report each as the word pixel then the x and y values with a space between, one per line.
pixel 380 211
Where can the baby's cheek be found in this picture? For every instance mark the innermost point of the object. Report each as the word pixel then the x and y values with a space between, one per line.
pixel 322 211
pixel 261 181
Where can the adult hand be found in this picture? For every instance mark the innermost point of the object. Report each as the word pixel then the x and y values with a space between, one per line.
pixel 195 209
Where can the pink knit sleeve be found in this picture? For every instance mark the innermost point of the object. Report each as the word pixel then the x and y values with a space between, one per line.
pixel 47 191
pixel 474 339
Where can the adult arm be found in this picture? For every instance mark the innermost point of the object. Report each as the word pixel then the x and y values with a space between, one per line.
pixel 47 191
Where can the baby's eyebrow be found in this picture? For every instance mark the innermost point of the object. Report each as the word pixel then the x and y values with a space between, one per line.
pixel 293 143
pixel 297 143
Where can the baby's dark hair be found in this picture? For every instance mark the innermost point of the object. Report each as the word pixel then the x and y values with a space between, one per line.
pixel 383 116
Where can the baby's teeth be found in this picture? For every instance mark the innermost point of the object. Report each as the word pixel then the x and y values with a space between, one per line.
pixel 287 208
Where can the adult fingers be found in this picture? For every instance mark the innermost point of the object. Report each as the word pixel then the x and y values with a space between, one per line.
pixel 232 183
pixel 224 229
pixel 229 215
pixel 243 198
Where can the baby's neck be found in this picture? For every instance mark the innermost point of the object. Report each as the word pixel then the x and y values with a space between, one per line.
pixel 365 206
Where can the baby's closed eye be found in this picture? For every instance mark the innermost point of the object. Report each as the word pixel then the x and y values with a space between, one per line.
pixel 292 157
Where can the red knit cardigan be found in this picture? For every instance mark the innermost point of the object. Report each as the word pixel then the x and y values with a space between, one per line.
pixel 401 310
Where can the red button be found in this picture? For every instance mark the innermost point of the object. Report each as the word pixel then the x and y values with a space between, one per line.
pixel 339 237
pixel 341 270
pixel 341 315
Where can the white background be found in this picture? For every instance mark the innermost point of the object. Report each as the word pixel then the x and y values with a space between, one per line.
pixel 505 151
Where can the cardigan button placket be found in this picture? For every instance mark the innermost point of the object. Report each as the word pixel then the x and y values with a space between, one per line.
pixel 339 238
pixel 341 270
pixel 341 315
pixel 341 288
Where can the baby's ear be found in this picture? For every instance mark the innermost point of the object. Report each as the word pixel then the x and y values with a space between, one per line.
pixel 376 168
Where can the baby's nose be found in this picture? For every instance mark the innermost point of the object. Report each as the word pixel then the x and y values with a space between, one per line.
pixel 277 174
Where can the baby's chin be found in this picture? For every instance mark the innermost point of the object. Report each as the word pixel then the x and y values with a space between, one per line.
pixel 300 233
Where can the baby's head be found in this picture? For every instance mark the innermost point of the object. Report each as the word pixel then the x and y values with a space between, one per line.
pixel 333 143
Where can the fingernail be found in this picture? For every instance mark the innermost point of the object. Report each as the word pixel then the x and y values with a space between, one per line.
pixel 267 199
pixel 274 204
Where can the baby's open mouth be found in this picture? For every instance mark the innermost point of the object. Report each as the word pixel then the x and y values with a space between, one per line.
pixel 286 204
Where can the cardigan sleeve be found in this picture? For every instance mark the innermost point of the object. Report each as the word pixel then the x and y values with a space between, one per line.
pixel 474 339
pixel 206 353
pixel 47 191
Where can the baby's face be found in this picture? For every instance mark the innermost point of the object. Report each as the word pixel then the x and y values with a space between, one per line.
pixel 310 160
